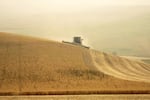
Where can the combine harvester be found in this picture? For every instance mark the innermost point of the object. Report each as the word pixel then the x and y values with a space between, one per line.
pixel 77 41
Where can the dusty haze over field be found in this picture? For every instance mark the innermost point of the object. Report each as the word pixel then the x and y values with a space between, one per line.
pixel 121 26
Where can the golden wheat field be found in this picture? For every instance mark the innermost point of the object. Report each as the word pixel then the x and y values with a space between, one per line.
pixel 37 66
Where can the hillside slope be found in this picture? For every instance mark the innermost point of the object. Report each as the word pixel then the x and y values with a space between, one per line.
pixel 120 67
pixel 35 65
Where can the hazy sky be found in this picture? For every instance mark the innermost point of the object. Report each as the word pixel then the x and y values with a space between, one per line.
pixel 121 26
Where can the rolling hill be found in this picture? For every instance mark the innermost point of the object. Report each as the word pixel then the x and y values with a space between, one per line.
pixel 31 65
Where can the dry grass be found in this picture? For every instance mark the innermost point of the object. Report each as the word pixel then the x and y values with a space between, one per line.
pixel 79 97
pixel 35 65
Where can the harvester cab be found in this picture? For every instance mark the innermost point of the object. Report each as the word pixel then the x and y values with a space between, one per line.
pixel 77 41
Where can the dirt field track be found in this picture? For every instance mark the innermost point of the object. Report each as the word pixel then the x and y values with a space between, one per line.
pixel 79 97
pixel 36 66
